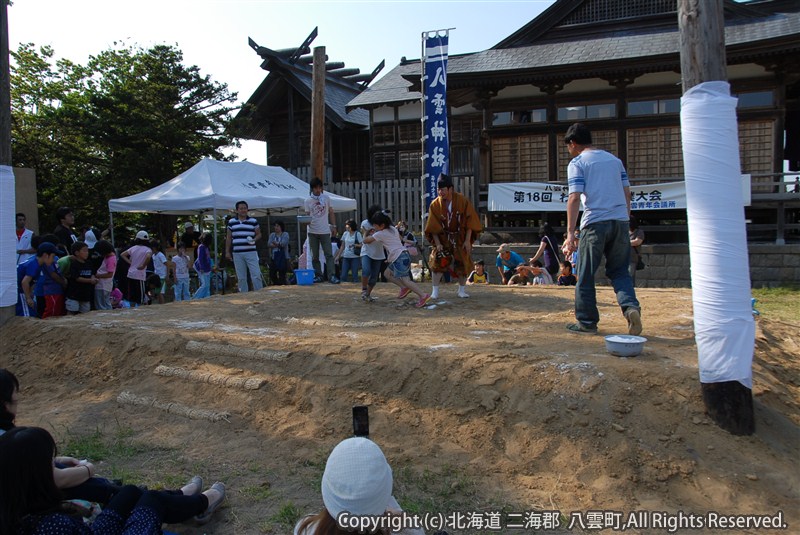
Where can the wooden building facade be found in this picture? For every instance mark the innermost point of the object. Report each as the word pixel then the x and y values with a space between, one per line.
pixel 614 65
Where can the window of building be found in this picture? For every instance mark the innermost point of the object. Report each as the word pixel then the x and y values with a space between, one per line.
pixel 410 164
pixel 756 99
pixel 592 111
pixel 519 158
pixel 410 133
pixel 461 160
pixel 383 164
pixel 383 135
pixel 503 118
pixel 654 107
pixel 655 153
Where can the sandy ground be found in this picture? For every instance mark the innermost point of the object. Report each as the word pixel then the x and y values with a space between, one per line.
pixel 492 386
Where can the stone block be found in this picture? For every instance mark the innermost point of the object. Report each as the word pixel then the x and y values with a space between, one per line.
pixel 791 260
pixel 654 259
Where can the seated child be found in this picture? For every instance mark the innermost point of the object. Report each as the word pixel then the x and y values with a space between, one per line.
pixel 116 299
pixel 566 278
pixel 532 273
pixel 479 275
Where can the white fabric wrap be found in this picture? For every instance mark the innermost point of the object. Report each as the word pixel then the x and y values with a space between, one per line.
pixel 723 318
pixel 8 242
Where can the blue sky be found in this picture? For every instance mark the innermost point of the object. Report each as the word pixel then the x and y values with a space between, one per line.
pixel 213 33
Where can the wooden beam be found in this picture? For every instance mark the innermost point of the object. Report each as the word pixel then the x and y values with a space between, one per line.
pixel 318 114
pixel 702 42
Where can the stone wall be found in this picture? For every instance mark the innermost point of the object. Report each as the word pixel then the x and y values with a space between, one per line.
pixel 668 265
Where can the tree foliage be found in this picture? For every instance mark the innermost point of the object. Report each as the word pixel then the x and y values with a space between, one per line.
pixel 126 121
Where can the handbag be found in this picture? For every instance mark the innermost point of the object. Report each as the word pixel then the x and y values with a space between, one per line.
pixel 640 265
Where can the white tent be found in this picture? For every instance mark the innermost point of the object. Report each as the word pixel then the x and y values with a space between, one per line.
pixel 211 185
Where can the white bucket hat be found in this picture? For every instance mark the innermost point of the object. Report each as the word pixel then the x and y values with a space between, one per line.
pixel 357 479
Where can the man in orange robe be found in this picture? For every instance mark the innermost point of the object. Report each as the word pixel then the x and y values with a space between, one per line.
pixel 452 226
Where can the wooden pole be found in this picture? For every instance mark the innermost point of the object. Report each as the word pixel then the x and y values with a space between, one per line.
pixel 702 40
pixel 318 114
pixel 5 88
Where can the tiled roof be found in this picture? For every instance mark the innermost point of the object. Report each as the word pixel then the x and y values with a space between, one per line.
pixel 336 98
pixel 392 88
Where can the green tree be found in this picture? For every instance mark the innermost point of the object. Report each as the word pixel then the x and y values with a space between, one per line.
pixel 128 120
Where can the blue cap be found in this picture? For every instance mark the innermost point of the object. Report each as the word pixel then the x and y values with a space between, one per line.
pixel 46 248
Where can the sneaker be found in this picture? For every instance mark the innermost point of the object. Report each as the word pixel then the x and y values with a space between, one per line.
pixel 334 280
pixel 423 301
pixel 634 317
pixel 582 328
pixel 194 486
pixel 403 293
pixel 205 516
pixel 317 278
pixel 364 295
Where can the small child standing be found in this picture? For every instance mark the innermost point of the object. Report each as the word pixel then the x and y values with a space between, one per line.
pixel 566 278
pixel 479 275
pixel 105 275
pixel 80 280
pixel 399 270
pixel 160 269
pixel 181 274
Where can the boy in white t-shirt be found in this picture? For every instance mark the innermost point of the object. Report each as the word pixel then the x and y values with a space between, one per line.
pixel 181 263
pixel 160 269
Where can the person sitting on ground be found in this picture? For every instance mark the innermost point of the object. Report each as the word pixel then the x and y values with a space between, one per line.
pixel 399 270
pixel 357 481
pixel 566 278
pixel 507 262
pixel 32 504
pixel 80 280
pixel 478 275
pixel 532 273
pixel 152 286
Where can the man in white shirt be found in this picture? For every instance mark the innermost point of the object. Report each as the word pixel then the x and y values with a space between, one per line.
pixel 320 230
pixel 598 178
pixel 24 235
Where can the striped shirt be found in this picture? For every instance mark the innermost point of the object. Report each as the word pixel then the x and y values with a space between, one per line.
pixel 243 234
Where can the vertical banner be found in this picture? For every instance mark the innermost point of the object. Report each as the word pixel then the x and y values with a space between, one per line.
pixel 435 137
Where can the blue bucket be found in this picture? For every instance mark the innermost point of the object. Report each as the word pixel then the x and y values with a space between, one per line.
pixel 305 277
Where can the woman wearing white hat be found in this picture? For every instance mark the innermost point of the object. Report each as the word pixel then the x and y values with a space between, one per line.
pixel 358 482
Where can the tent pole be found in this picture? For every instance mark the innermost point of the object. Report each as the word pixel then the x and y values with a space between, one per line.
pixel 216 247
pixel 111 227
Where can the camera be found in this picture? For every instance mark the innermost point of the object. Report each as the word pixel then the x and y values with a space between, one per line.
pixel 361 421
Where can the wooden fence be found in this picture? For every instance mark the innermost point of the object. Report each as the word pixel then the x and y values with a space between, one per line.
pixel 402 197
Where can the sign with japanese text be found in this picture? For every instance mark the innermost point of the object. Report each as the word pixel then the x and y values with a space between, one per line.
pixel 435 141
pixel 544 197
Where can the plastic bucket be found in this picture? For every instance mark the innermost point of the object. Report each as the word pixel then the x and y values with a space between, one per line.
pixel 305 277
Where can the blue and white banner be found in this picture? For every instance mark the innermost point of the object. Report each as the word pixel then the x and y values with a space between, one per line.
pixel 435 136
pixel 544 197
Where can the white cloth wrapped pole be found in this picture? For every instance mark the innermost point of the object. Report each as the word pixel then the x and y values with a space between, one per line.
pixel 723 319
pixel 8 241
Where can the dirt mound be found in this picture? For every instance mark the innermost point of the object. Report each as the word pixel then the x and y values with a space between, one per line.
pixel 492 387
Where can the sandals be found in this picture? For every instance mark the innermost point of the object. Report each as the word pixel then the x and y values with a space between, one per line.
pixel 212 506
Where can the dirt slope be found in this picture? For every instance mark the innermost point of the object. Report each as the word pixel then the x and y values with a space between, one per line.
pixel 493 385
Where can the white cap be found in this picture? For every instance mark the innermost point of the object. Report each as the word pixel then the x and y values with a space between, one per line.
pixel 142 235
pixel 89 238
pixel 357 479
pixel 188 224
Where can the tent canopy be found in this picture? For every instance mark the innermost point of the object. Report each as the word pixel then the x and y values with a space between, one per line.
pixel 213 185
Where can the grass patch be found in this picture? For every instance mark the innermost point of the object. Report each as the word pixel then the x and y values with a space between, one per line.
pixel 446 489
pixel 101 446
pixel 257 493
pixel 287 516
pixel 779 303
